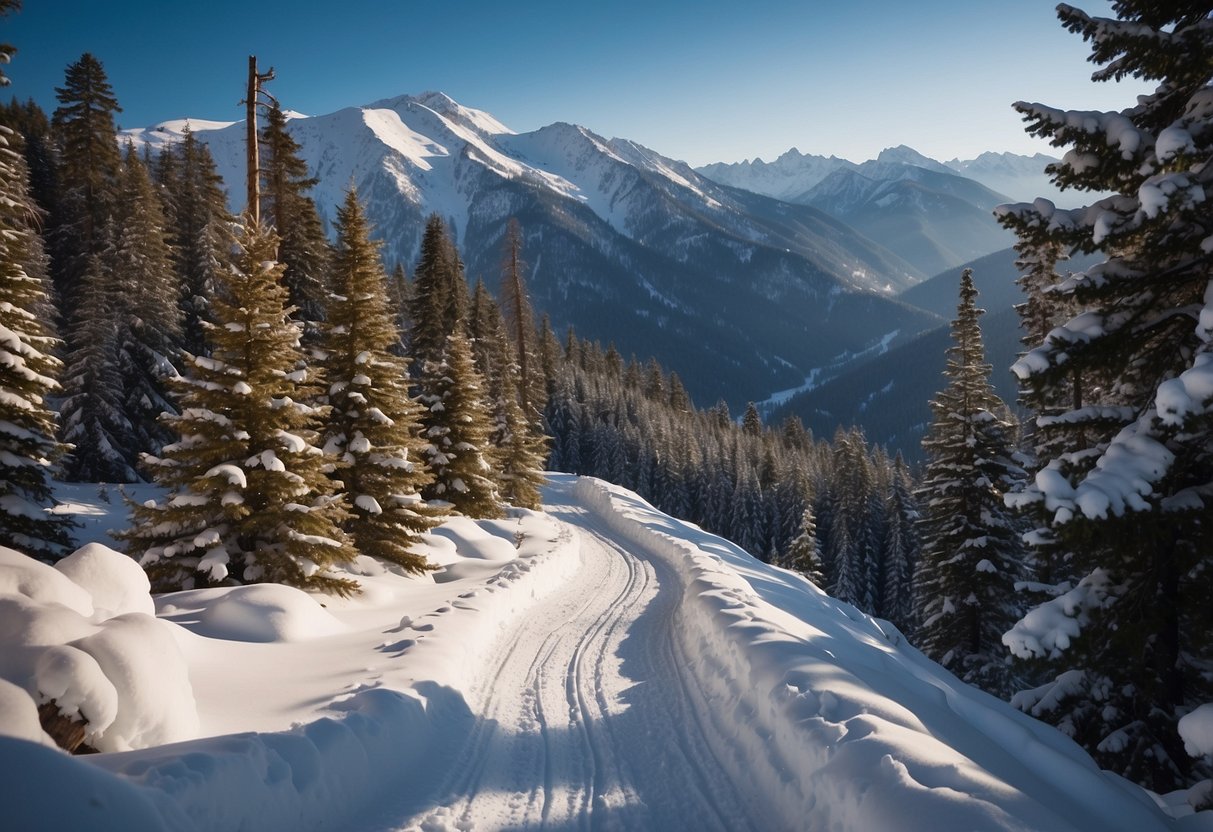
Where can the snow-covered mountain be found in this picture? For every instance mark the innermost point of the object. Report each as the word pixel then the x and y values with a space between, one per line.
pixel 1022 178
pixel 786 178
pixel 930 216
pixel 738 292
pixel 929 213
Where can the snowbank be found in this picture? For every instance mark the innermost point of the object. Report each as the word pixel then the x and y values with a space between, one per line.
pixel 80 634
pixel 354 746
pixel 841 725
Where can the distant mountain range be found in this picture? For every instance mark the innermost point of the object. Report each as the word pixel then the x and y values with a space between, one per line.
pixel 805 274
pixel 888 394
pixel 739 292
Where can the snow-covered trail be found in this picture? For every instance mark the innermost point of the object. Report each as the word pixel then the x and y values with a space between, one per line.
pixel 584 720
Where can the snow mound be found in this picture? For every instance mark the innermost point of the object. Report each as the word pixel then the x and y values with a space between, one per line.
pixel 117 583
pixel 1196 729
pixel 477 541
pixel 258 613
pixel 92 649
pixel 22 575
pixel 836 719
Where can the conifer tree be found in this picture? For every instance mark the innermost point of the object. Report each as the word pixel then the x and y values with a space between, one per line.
pixel 971 553
pixel 900 553
pixel 89 164
pixel 93 417
pixel 804 555
pixel 433 314
pixel 373 427
pixel 1123 490
pixel 200 231
pixel 248 495
pixel 147 292
pixel 27 374
pixel 457 428
pixel 286 206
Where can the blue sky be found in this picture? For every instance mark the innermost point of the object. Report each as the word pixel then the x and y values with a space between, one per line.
pixel 706 81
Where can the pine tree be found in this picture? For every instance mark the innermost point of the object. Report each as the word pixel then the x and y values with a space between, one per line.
pixel 432 312
pixel 457 428
pixel 93 411
pixel 1123 489
pixel 374 427
pixel 199 227
pixel 27 374
pixel 901 550
pixel 302 246
pixel 149 316
pixel 248 494
pixel 804 555
pixel 89 165
pixel 971 554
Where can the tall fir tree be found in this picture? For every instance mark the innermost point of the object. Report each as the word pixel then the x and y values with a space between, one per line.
pixel 373 427
pixel 1124 487
pixel 200 231
pixel 27 374
pixel 804 555
pixel 147 291
pixel 457 427
pixel 248 496
pixel 302 246
pixel 93 417
pixel 971 550
pixel 901 550
pixel 89 165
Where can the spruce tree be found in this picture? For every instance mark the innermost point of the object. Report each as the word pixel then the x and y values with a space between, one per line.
pixel 1123 489
pixel 971 552
pixel 147 295
pixel 804 555
pixel 457 427
pixel 901 549
pixel 89 165
pixel 248 495
pixel 373 427
pixel 27 374
pixel 286 206
pixel 200 231
pixel 93 417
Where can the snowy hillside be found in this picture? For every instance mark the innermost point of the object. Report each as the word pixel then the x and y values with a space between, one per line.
pixel 598 666
pixel 624 244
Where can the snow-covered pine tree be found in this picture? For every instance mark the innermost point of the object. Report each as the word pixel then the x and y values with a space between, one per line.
pixel 804 555
pixel 1126 490
pixel 373 426
pixel 519 452
pixel 27 374
pixel 146 291
pixel 200 231
pixel 971 551
pixel 285 206
pixel 248 497
pixel 93 418
pixel 457 427
pixel 900 554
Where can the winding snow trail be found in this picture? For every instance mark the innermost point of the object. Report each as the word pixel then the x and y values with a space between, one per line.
pixel 583 720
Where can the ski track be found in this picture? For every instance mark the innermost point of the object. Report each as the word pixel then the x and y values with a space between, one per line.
pixel 584 720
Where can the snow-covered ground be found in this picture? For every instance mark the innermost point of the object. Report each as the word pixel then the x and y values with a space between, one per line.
pixel 600 665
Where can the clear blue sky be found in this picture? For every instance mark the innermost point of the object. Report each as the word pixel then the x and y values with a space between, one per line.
pixel 714 80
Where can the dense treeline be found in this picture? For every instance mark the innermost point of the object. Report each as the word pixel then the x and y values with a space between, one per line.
pixel 836 510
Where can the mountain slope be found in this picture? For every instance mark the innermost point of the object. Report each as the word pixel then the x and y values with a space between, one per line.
pixel 739 293
pixel 932 219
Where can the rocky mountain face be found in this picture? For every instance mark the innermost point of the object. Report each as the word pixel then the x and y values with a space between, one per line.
pixel 740 293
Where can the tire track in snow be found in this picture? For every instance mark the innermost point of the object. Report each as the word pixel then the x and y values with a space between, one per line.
pixel 585 721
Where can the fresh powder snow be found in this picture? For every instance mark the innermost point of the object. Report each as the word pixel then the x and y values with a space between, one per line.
pixel 598 665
